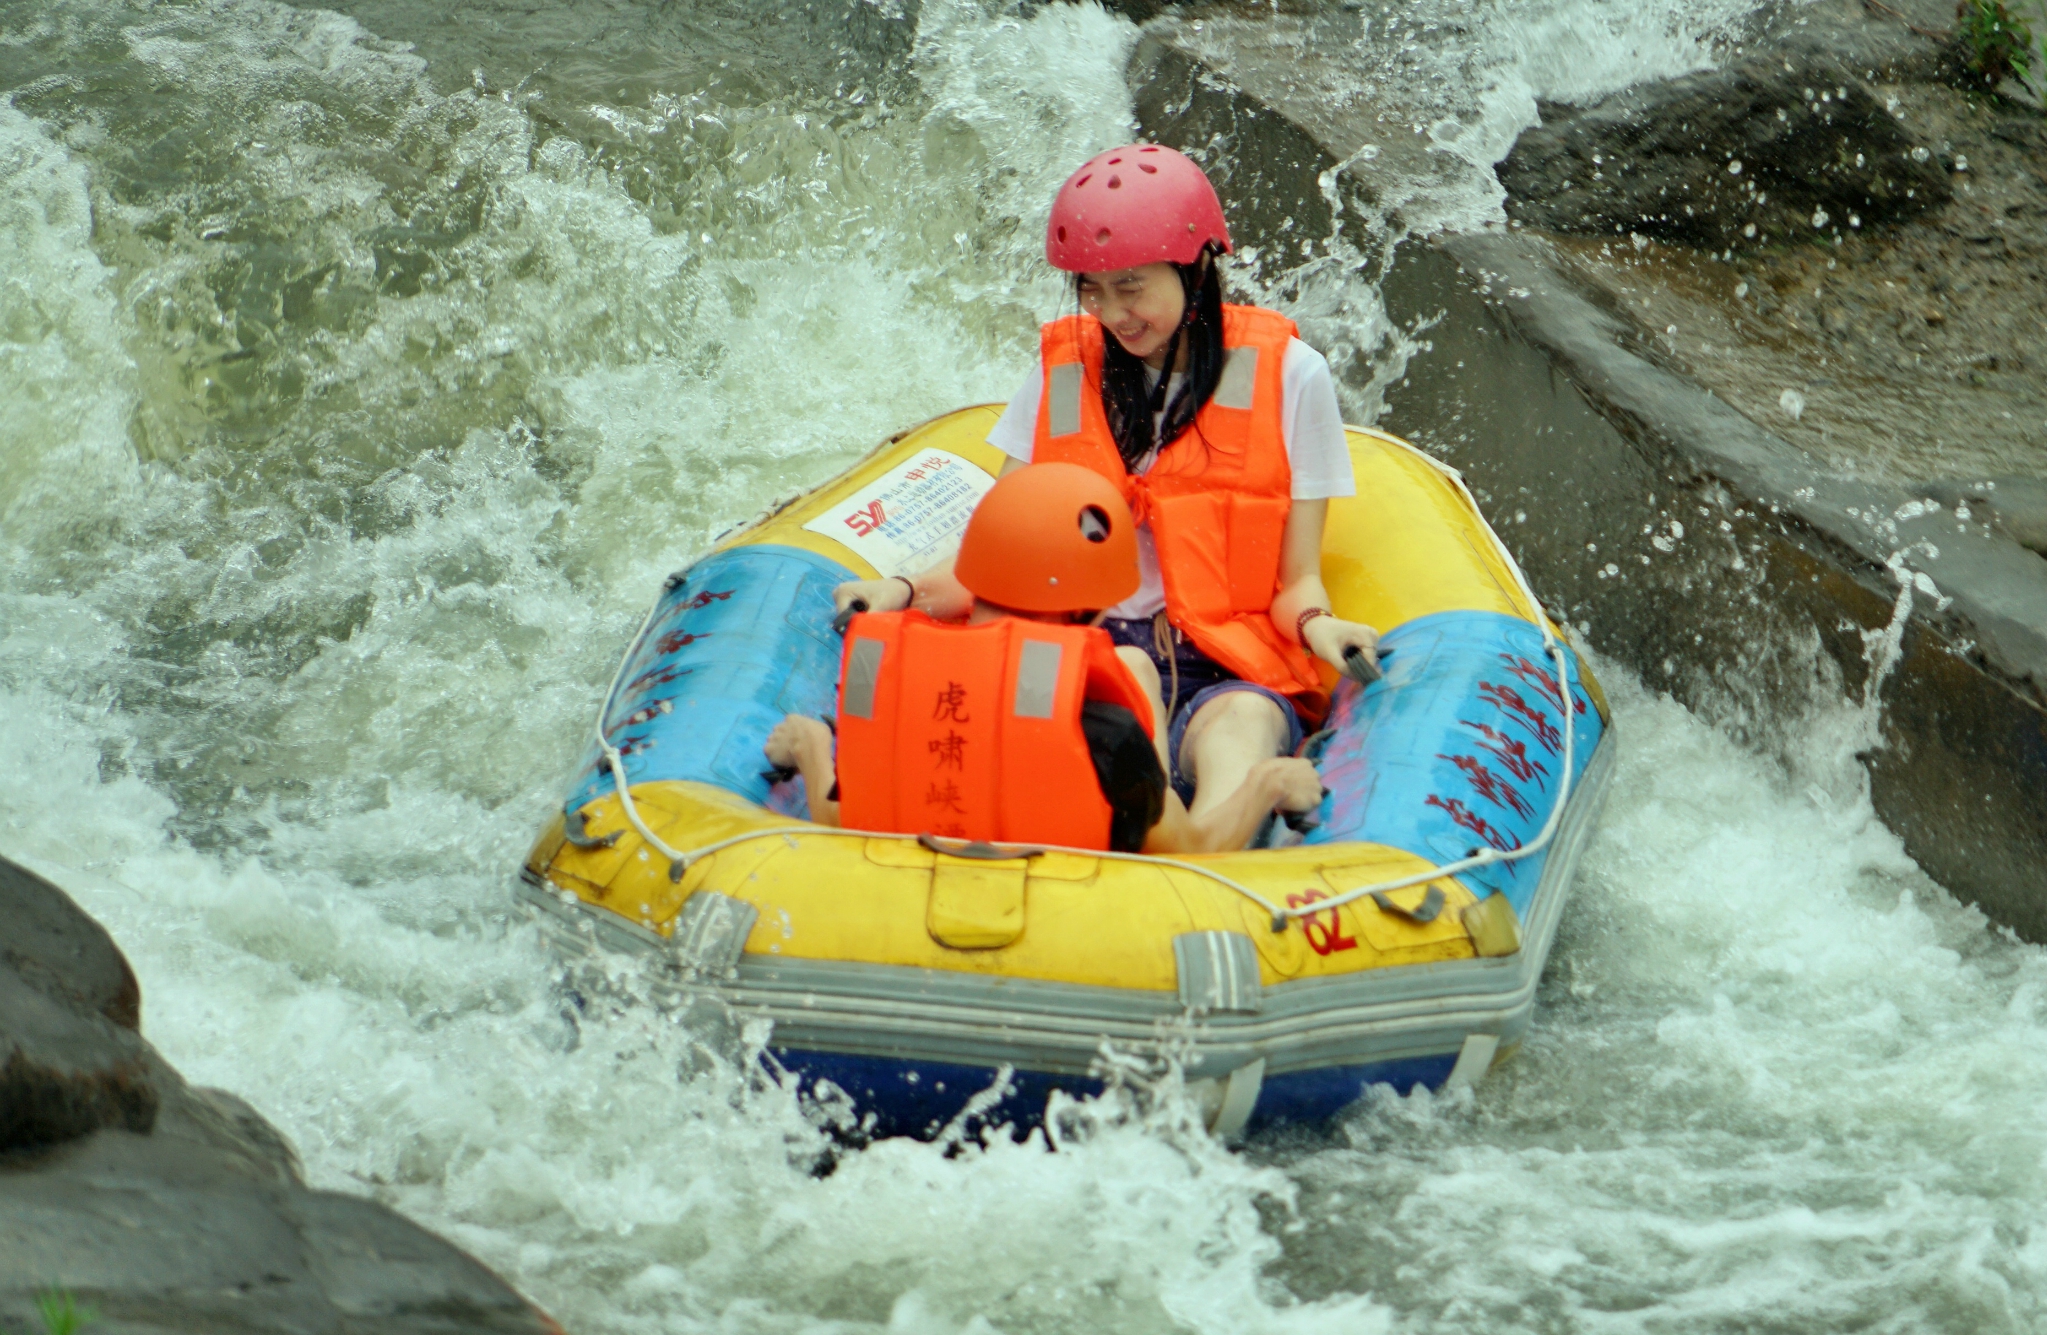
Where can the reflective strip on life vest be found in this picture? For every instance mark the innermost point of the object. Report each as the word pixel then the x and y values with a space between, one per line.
pixel 1037 678
pixel 1062 398
pixel 863 670
pixel 1239 379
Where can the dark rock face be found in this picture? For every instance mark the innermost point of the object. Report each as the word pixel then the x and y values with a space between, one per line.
pixel 66 1075
pixel 71 1060
pixel 165 1208
pixel 61 952
pixel 1769 150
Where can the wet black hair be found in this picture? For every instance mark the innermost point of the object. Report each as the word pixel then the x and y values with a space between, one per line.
pixel 1130 403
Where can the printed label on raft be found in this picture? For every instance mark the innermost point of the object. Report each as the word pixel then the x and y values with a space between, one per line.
pixel 905 520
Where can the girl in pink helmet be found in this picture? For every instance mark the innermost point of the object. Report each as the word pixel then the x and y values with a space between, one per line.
pixel 1223 431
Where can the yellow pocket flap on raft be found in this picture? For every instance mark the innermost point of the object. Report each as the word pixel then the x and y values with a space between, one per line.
pixel 1053 866
pixel 975 904
pixel 1393 931
pixel 899 853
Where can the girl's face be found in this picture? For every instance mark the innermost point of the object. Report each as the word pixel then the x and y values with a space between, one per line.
pixel 1141 307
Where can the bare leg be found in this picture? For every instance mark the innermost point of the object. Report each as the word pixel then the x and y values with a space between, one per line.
pixel 1225 738
pixel 1147 674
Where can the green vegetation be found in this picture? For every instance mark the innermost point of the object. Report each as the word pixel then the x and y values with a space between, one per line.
pixel 61 1313
pixel 1997 44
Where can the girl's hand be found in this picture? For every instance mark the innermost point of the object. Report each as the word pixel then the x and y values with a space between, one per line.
pixel 880 595
pixel 1329 639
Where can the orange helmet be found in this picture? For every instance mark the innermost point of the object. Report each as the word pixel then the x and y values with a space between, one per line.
pixel 1050 538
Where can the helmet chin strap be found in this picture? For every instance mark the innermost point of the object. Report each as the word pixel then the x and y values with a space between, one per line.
pixel 1157 401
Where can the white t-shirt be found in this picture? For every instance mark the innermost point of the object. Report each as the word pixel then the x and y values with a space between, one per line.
pixel 1310 426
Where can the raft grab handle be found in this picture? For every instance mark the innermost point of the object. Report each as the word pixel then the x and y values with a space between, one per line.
pixel 845 616
pixel 978 849
pixel 1426 911
pixel 576 829
pixel 1361 667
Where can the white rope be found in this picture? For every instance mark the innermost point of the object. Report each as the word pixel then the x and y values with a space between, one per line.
pixel 617 761
pixel 680 862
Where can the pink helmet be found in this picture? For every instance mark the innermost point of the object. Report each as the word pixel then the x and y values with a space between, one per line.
pixel 1140 204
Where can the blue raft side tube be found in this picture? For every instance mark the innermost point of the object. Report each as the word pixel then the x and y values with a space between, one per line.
pixel 1457 747
pixel 903 1096
pixel 736 641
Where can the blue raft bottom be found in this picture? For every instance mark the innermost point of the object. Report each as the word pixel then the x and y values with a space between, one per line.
pixel 922 1099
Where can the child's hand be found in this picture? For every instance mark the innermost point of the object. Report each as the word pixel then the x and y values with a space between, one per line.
pixel 798 738
pixel 1293 783
pixel 880 595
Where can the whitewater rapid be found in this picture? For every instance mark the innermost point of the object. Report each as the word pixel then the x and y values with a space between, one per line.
pixel 362 376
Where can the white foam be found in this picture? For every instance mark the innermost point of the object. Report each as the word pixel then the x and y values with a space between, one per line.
pixel 57 332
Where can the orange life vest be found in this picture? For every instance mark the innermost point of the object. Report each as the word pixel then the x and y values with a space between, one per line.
pixel 1216 499
pixel 973 732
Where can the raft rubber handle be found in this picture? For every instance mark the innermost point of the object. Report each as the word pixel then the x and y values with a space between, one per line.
pixel 1361 667
pixel 979 850
pixel 845 617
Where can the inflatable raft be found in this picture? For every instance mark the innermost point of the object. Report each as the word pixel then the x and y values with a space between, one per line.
pixel 1399 942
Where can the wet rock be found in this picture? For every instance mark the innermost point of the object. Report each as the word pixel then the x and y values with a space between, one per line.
pixel 167 1208
pixel 62 952
pixel 71 1060
pixel 2023 132
pixel 2014 506
pixel 1766 150
pixel 63 1075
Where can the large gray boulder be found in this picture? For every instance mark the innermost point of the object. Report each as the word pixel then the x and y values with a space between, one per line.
pixel 165 1208
pixel 1768 150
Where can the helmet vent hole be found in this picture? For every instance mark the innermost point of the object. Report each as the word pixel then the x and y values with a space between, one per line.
pixel 1062 234
pixel 1114 161
pixel 1102 237
pixel 1094 524
pixel 1115 183
pixel 1147 169
pixel 1083 180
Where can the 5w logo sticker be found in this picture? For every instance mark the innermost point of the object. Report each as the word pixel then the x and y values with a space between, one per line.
pixel 864 522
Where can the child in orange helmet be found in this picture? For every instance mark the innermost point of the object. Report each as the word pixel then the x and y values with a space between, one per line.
pixel 1050 546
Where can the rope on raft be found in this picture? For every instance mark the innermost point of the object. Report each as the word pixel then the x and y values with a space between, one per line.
pixel 680 862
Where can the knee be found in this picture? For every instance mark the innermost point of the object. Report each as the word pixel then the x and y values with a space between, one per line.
pixel 1244 717
pixel 1142 669
pixel 1245 708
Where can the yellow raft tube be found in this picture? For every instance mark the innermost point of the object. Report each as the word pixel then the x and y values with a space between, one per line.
pixel 1400 943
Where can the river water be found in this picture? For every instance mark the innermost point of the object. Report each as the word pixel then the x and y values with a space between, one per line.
pixel 362 374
